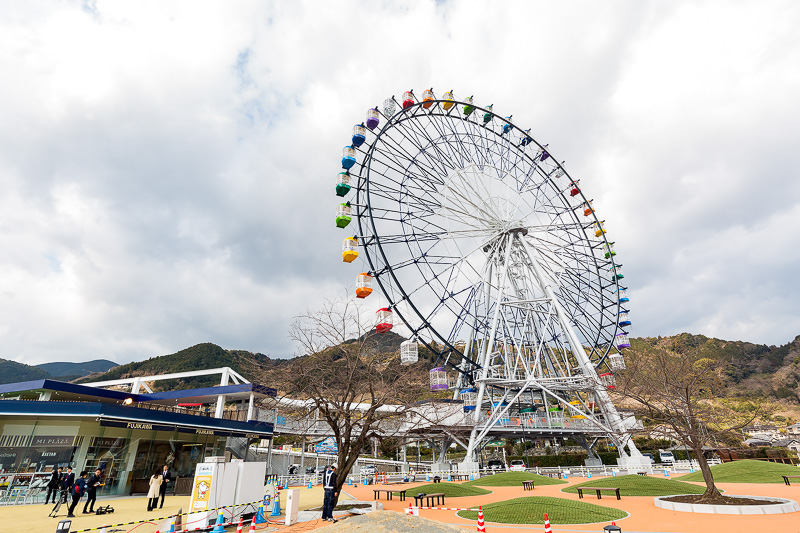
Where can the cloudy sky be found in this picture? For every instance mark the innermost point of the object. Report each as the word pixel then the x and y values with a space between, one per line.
pixel 166 168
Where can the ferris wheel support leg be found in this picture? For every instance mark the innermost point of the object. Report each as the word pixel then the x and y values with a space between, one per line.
pixel 486 355
pixel 606 405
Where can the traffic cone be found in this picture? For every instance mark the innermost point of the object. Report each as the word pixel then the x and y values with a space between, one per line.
pixel 172 525
pixel 218 527
pixel 471 477
pixel 260 514
pixel 276 509
pixel 613 473
pixel 666 473
pixel 481 525
pixel 547 528
pixel 588 475
pixel 350 481
pixel 448 477
pixel 427 476
pixel 309 484
pixel 239 529
pixel 253 525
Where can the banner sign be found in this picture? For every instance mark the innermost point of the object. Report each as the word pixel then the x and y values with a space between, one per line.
pixel 327 446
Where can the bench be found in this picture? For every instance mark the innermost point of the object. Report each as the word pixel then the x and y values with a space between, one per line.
pixel 598 490
pixel 459 477
pixel 642 473
pixel 376 494
pixel 786 479
pixel 435 497
pixel 528 485
pixel 437 479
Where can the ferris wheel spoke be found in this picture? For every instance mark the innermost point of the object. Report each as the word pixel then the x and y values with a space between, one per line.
pixel 419 142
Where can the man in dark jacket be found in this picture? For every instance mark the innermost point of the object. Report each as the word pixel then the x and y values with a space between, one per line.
pixel 166 477
pixel 54 485
pixel 77 492
pixel 67 482
pixel 329 484
pixel 92 483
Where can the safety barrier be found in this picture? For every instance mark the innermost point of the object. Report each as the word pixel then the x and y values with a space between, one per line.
pixel 106 526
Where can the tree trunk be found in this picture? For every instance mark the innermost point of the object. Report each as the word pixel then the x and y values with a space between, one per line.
pixel 711 489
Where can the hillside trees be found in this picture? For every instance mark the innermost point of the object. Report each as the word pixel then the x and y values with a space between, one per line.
pixel 348 379
pixel 674 389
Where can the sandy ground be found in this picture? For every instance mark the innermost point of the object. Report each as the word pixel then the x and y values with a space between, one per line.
pixel 389 522
pixel 33 518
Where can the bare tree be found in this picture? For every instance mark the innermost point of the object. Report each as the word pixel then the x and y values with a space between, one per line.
pixel 349 378
pixel 676 391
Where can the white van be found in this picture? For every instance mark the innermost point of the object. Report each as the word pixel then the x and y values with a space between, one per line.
pixel 666 457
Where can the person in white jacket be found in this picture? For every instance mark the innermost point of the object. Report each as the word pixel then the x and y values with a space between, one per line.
pixel 152 494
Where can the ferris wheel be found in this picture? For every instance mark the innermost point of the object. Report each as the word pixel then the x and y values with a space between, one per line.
pixel 490 253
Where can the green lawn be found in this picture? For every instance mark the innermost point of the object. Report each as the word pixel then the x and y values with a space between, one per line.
pixel 510 479
pixel 746 471
pixel 450 490
pixel 636 485
pixel 531 510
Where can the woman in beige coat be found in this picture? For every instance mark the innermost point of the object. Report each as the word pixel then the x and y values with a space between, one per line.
pixel 152 494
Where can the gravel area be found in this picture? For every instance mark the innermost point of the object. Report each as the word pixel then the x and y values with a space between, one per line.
pixel 389 522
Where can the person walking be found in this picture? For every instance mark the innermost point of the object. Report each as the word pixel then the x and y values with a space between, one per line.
pixel 92 483
pixel 166 477
pixel 152 494
pixel 330 494
pixel 77 492
pixel 54 485
pixel 67 482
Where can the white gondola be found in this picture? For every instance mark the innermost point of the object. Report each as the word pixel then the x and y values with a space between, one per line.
pixel 409 352
pixel 616 362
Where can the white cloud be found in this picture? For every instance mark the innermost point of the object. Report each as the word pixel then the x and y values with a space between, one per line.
pixel 167 168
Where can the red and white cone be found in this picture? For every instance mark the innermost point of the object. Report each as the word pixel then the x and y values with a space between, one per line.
pixel 239 529
pixel 481 525
pixel 253 525
pixel 547 528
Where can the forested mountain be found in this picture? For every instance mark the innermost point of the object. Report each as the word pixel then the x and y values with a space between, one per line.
pixel 753 370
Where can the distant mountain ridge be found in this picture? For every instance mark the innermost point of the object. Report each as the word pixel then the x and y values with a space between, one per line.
pixel 77 370
pixel 753 370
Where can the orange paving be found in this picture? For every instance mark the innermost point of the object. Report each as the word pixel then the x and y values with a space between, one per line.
pixel 644 516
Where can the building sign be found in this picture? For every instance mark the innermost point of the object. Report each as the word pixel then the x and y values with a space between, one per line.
pixel 136 425
pixel 53 442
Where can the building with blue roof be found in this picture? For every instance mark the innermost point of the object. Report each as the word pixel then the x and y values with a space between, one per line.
pixel 126 429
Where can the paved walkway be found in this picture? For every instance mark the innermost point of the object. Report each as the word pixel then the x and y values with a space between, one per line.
pixel 644 517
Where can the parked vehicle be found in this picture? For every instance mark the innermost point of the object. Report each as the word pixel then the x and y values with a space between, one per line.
pixel 369 470
pixel 311 470
pixel 666 457
pixel 650 457
pixel 517 465
pixel 294 469
pixel 495 465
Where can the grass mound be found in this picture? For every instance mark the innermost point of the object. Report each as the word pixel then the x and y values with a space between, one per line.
pixel 509 479
pixel 531 510
pixel 746 471
pixel 636 485
pixel 450 490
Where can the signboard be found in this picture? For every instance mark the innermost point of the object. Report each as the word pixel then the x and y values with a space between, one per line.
pixel 495 444
pixel 53 442
pixel 327 446
pixel 201 491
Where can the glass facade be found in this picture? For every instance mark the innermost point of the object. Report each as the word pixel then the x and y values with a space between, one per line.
pixel 31 450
